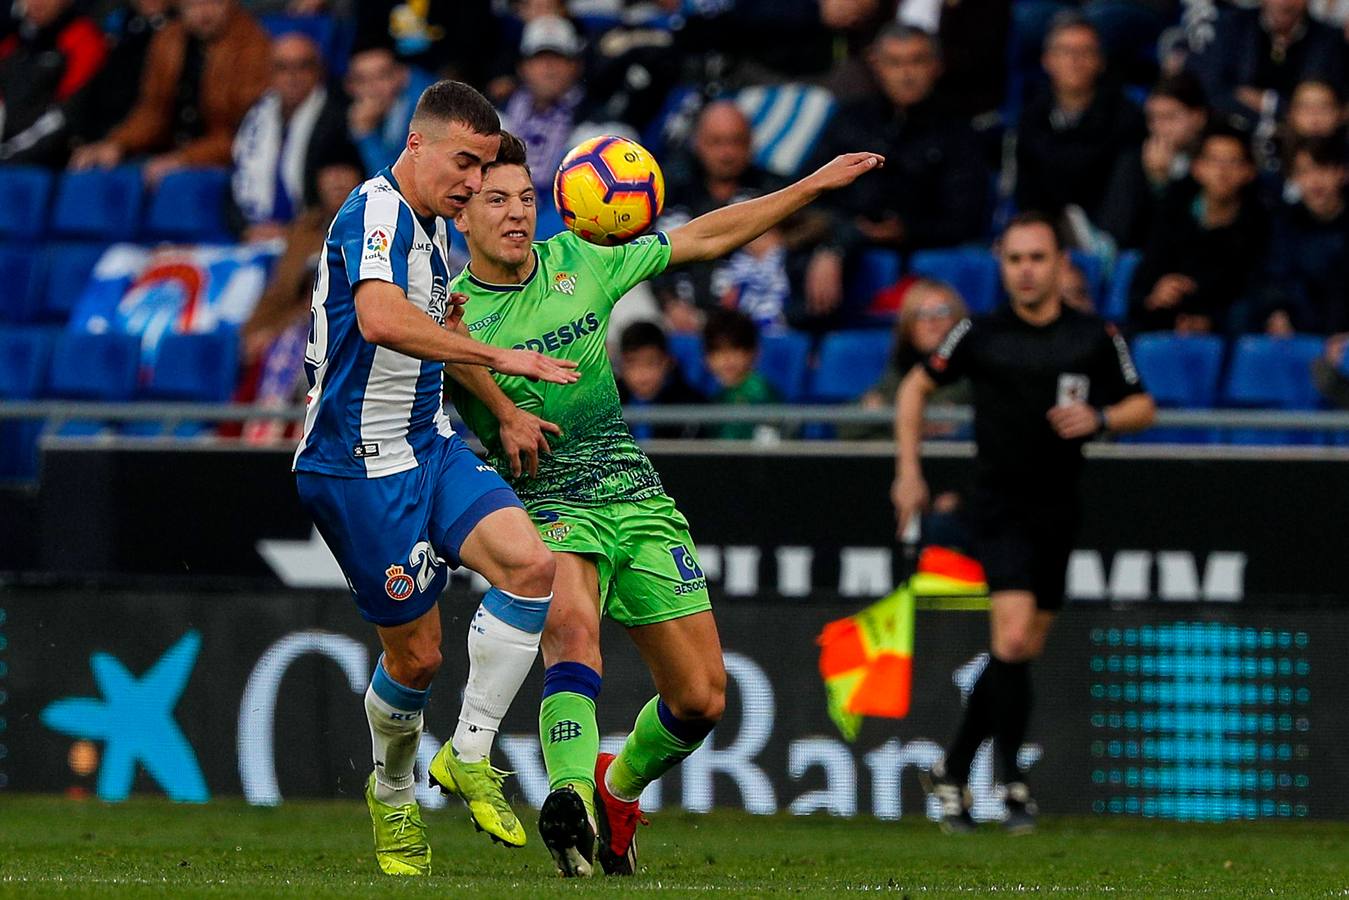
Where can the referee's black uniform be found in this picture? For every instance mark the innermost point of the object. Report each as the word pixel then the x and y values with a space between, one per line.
pixel 1024 509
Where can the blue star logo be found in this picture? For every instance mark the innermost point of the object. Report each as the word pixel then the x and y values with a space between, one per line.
pixel 135 719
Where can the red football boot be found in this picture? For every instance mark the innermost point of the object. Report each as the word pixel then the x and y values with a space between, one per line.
pixel 618 821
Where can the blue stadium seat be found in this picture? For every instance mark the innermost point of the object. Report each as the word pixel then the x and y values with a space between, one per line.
pixel 67 268
pixel 874 271
pixel 850 362
pixel 27 191
pixel 99 203
pixel 196 367
pixel 1181 372
pixel 687 350
pixel 20 279
pixel 24 357
pixel 973 272
pixel 1270 372
pixel 1116 306
pixel 189 206
pixel 102 367
pixel 784 360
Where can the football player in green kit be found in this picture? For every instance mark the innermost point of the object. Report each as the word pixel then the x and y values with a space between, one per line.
pixel 622 548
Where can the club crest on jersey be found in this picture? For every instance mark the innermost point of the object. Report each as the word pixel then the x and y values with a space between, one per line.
pixel 558 532
pixel 564 282
pixel 377 242
pixel 399 586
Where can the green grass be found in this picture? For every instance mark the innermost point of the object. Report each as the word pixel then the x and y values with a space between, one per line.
pixel 146 847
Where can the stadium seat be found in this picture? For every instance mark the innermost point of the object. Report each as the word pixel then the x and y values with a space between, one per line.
pixel 102 367
pixel 687 350
pixel 973 272
pixel 1275 373
pixel 24 357
pixel 66 272
pixel 1116 306
pixel 850 362
pixel 784 360
pixel 196 367
pixel 1181 372
pixel 189 206
pixel 875 270
pixel 27 191
pixel 20 278
pixel 99 203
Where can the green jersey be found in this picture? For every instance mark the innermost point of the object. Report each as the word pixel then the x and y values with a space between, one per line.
pixel 562 309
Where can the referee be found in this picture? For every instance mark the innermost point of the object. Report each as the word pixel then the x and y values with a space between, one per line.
pixel 1046 379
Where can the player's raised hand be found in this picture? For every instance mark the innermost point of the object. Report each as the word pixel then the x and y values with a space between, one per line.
pixel 523 438
pixel 843 170
pixel 537 367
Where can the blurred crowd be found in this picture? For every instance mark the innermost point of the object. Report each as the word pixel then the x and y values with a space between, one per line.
pixel 1204 141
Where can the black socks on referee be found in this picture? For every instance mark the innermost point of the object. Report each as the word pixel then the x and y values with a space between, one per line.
pixel 999 706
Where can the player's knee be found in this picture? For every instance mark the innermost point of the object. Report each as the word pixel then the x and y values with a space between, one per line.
pixel 415 667
pixel 572 637
pixel 531 572
pixel 703 701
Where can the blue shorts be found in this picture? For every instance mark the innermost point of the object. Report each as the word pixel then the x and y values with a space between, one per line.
pixel 393 535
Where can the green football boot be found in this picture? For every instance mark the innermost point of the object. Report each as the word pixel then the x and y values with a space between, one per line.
pixel 400 836
pixel 478 784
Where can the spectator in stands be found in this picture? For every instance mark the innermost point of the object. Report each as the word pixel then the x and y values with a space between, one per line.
pixel 649 376
pixel 719 171
pixel 202 74
pixel 44 64
pixel 731 348
pixel 1330 373
pixel 1176 114
pixel 1257 57
pixel 1315 111
pixel 1206 244
pixel 112 94
pixel 1073 135
pixel 383 94
pixel 285 301
pixel 282 137
pixel 933 191
pixel 1305 282
pixel 549 104
pixel 971 33
pixel 456 39
pixel 1075 289
pixel 930 310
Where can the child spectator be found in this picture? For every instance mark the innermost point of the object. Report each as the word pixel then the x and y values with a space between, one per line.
pixel 731 348
pixel 1205 246
pixel 649 376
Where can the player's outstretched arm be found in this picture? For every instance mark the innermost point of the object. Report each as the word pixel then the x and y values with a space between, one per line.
pixel 386 318
pixel 721 231
pixel 909 491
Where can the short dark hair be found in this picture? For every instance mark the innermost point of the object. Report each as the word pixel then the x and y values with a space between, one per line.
pixel 1229 131
pixel 454 101
pixel 512 152
pixel 1035 217
pixel 896 31
pixel 730 329
pixel 1069 20
pixel 641 336
pixel 1184 88
pixel 1320 151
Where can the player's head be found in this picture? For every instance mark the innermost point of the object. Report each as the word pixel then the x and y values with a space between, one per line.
pixel 644 359
pixel 730 346
pixel 454 132
pixel 500 219
pixel 1031 255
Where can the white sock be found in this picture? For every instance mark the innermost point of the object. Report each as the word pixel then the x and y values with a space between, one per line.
pixel 503 640
pixel 395 735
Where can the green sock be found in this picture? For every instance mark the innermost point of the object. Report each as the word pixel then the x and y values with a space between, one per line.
pixel 649 752
pixel 571 741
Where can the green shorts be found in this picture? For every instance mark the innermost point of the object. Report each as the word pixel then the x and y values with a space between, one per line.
pixel 648 567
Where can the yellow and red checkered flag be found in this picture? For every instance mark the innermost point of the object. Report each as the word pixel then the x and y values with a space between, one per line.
pixel 866 660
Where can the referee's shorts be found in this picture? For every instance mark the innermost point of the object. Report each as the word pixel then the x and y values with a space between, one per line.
pixel 1025 547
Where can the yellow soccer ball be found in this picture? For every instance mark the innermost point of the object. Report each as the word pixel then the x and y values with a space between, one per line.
pixel 609 190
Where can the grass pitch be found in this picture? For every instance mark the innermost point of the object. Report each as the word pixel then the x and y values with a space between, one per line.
pixel 54 846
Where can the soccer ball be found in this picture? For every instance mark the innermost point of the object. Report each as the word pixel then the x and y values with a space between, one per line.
pixel 609 190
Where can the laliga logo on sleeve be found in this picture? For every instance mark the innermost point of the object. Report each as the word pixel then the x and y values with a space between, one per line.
pixel 399 586
pixel 377 241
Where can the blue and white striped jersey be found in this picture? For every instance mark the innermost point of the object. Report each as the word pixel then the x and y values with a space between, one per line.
pixel 372 411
